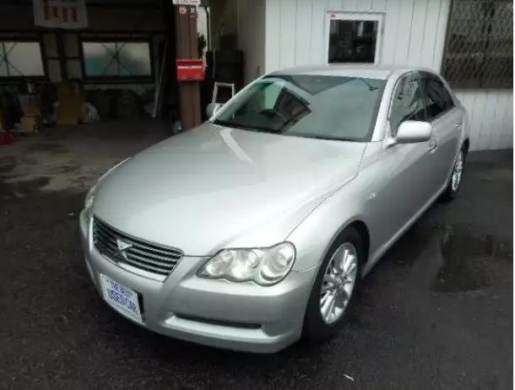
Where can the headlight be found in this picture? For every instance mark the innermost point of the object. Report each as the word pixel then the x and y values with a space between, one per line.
pixel 265 266
pixel 88 203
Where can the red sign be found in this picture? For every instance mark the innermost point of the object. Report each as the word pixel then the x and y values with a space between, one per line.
pixel 182 10
pixel 190 70
pixel 60 13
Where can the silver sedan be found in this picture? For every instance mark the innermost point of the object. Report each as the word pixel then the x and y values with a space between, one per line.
pixel 255 228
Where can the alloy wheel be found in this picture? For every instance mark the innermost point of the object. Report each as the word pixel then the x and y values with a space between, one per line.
pixel 457 172
pixel 338 283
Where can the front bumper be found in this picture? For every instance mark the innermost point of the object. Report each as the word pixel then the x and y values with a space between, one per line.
pixel 238 316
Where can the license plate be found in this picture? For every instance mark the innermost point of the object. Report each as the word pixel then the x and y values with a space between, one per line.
pixel 121 298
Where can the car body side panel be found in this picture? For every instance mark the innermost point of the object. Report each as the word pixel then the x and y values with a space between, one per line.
pixel 315 234
pixel 394 186
pixel 447 131
pixel 381 197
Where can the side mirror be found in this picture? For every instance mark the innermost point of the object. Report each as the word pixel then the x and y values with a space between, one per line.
pixel 411 132
pixel 213 108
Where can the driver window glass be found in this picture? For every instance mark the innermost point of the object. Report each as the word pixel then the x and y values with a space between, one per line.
pixel 407 103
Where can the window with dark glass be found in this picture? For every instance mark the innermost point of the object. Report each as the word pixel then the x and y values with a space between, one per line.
pixel 437 98
pixel 352 41
pixel 479 47
pixel 21 59
pixel 117 59
pixel 408 103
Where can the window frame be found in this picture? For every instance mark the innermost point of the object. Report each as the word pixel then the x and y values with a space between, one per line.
pixel 355 16
pixel 132 79
pixel 21 78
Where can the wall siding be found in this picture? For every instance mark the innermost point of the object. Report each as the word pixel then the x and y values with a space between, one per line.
pixel 413 29
pixel 491 118
pixel 414 34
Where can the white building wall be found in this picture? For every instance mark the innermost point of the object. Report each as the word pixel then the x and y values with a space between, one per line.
pixel 414 34
pixel 491 118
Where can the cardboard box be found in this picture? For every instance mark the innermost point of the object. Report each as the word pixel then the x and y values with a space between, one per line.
pixel 30 123
pixel 70 104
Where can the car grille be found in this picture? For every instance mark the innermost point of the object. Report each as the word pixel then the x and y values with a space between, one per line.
pixel 140 254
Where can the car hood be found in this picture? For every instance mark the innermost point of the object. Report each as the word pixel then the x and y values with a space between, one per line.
pixel 214 187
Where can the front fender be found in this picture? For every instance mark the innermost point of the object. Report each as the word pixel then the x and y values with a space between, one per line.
pixel 316 233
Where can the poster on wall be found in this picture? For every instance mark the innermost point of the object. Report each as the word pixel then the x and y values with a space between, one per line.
pixel 67 14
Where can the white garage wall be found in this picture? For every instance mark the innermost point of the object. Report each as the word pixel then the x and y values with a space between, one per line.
pixel 413 30
pixel 414 34
pixel 491 118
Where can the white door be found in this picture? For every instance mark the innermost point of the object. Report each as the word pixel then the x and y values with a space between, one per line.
pixel 353 37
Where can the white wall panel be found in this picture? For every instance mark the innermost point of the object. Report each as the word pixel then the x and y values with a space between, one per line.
pixel 403 38
pixel 318 37
pixel 414 30
pixel 417 31
pixel 288 41
pixel 440 33
pixel 391 29
pixel 507 128
pixel 379 5
pixel 304 16
pixel 356 5
pixel 491 118
pixel 414 34
pixel 274 30
pixel 431 22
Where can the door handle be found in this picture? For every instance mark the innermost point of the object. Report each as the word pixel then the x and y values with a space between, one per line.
pixel 433 145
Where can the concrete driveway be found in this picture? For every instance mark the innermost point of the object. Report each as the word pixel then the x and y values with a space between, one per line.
pixel 436 313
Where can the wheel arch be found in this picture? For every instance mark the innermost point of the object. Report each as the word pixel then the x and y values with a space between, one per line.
pixel 361 227
pixel 364 232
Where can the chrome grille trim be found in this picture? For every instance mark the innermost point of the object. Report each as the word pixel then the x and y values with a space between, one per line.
pixel 143 255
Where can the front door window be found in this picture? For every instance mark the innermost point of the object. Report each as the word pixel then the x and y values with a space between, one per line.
pixel 408 103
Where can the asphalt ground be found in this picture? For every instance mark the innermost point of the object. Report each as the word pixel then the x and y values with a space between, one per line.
pixel 435 313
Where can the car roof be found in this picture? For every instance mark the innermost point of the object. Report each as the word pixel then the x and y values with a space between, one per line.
pixel 381 72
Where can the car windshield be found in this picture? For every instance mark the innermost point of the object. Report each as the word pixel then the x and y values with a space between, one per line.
pixel 324 107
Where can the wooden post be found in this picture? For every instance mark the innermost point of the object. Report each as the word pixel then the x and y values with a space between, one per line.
pixel 187 48
pixel 61 52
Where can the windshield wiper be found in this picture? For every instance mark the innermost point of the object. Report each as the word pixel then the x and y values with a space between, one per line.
pixel 324 137
pixel 245 127
pixel 231 124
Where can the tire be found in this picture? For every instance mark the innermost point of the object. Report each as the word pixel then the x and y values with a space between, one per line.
pixel 316 328
pixel 452 189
